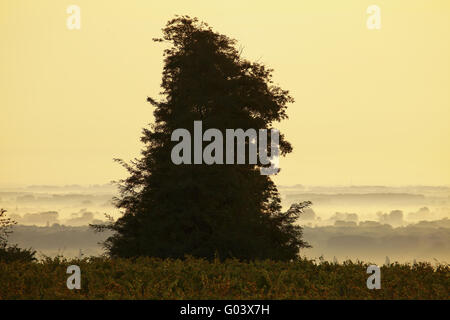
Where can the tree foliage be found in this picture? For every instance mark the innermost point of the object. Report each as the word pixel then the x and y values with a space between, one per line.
pixel 170 211
pixel 11 253
pixel 6 225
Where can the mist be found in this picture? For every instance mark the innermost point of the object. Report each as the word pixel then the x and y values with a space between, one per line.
pixel 368 223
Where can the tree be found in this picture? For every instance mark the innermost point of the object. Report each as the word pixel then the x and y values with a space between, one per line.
pixel 6 225
pixel 170 210
pixel 11 253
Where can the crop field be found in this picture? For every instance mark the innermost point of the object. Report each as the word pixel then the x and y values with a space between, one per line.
pixel 150 278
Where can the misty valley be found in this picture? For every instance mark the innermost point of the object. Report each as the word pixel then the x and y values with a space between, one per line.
pixel 373 224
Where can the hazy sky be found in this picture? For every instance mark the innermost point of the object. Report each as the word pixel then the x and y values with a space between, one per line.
pixel 372 106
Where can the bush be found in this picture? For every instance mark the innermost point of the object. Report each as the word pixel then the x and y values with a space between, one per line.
pixel 11 253
pixel 168 279
pixel 14 253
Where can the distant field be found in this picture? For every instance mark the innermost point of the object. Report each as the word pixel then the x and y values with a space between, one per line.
pixel 148 278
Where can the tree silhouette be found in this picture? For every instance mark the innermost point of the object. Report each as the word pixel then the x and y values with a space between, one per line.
pixel 231 210
pixel 6 225
pixel 12 253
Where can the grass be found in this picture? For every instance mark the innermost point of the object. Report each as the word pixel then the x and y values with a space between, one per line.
pixel 151 278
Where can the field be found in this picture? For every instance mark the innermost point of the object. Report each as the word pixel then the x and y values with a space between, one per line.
pixel 149 278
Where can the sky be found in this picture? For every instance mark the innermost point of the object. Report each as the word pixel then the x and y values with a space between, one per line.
pixel 372 105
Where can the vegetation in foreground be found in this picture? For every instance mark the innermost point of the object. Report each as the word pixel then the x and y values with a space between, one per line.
pixel 152 278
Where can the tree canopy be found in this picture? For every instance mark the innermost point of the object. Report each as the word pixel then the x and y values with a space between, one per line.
pixel 169 210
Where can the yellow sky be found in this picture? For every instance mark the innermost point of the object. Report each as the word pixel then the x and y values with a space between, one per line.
pixel 372 106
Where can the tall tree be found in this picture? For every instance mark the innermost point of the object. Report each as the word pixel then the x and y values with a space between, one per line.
pixel 205 210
